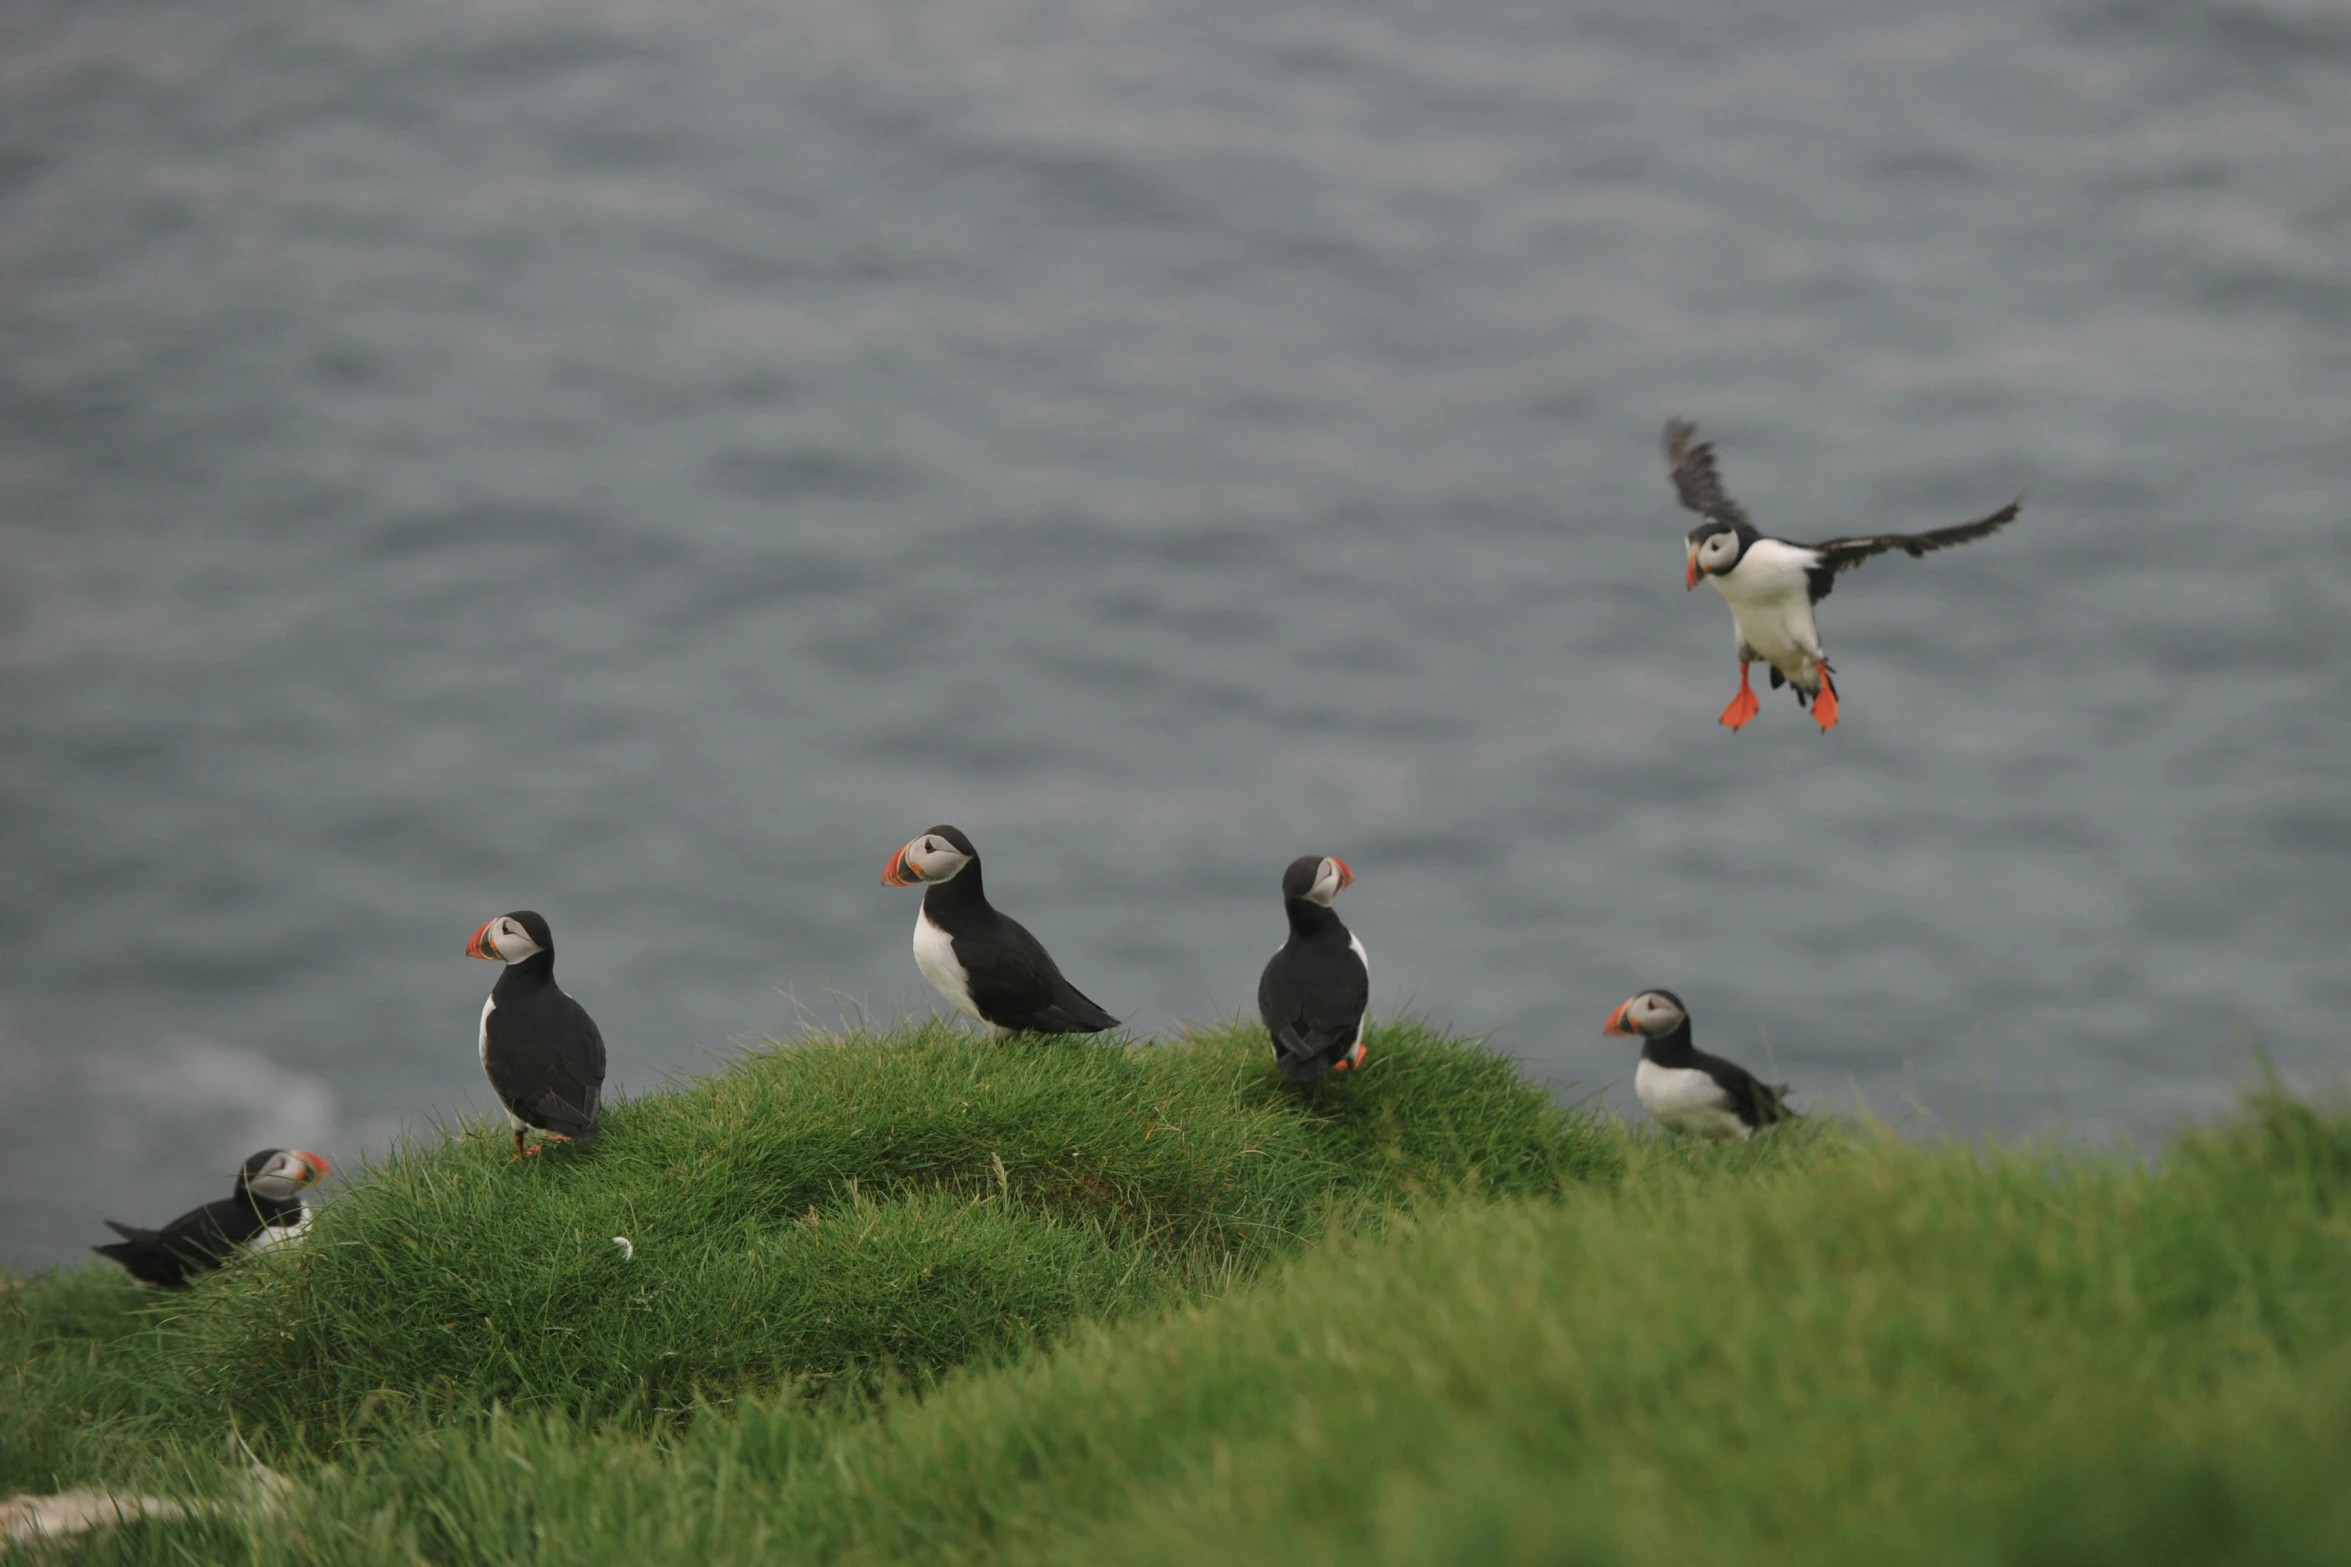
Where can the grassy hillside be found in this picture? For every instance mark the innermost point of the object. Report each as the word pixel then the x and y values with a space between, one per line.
pixel 1580 1343
pixel 843 1208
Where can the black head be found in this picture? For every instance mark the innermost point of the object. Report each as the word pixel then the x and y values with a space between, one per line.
pixel 955 840
pixel 277 1173
pixel 938 855
pixel 1715 547
pixel 1652 1014
pixel 1316 878
pixel 512 938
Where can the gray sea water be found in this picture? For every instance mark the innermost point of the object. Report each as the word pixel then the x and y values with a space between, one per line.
pixel 644 462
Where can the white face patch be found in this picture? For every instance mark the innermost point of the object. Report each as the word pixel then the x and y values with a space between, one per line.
pixel 279 1179
pixel 510 941
pixel 1652 1015
pixel 935 859
pixel 934 954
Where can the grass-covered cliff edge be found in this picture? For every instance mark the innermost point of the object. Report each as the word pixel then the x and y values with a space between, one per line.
pixel 924 1298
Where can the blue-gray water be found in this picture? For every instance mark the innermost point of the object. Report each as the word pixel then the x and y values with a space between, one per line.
pixel 644 462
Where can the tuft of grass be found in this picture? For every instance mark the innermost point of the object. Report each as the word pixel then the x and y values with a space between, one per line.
pixel 60 1339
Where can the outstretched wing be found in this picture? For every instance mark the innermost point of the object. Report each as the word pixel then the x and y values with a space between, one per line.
pixel 1695 482
pixel 1837 555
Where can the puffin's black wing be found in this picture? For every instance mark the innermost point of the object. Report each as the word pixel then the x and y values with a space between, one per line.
pixel 144 1257
pixel 546 1063
pixel 196 1242
pixel 1753 1101
pixel 1694 479
pixel 578 1087
pixel 1837 555
pixel 1311 999
pixel 1016 984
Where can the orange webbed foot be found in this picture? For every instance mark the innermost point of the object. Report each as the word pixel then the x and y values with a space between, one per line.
pixel 1743 706
pixel 1824 705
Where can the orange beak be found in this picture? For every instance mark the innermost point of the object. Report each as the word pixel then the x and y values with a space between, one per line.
pixel 479 946
pixel 1616 1023
pixel 1346 876
pixel 900 872
pixel 1691 580
pixel 319 1169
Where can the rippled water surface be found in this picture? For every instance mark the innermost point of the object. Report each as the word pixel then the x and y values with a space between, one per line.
pixel 644 462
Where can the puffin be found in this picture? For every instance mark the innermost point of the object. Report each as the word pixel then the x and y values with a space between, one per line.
pixel 543 1054
pixel 986 964
pixel 1772 584
pixel 1314 991
pixel 263 1209
pixel 1682 1087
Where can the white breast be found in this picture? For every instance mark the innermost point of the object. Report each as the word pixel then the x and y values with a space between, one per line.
pixel 280 1234
pixel 1363 958
pixel 1684 1099
pixel 1770 595
pixel 934 954
pixel 489 1006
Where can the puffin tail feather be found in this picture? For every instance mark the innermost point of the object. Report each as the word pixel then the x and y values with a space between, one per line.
pixel 1073 1012
pixel 1305 1053
pixel 144 1260
pixel 557 1114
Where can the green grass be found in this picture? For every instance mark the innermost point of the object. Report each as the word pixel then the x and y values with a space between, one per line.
pixel 843 1209
pixel 1418 1319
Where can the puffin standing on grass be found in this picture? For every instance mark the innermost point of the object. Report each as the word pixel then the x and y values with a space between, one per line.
pixel 986 964
pixel 1682 1087
pixel 1772 584
pixel 1313 993
pixel 263 1209
pixel 543 1054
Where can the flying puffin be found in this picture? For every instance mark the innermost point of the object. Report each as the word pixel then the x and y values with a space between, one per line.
pixel 1772 584
pixel 1313 992
pixel 986 964
pixel 540 1049
pixel 1682 1087
pixel 263 1209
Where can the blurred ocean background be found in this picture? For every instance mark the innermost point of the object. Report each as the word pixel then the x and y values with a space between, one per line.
pixel 644 462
